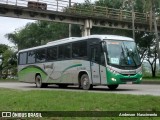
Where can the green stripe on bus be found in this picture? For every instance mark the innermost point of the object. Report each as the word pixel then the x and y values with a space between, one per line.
pixel 35 67
pixel 32 69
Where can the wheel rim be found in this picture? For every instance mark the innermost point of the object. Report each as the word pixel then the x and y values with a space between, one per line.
pixel 85 82
pixel 38 82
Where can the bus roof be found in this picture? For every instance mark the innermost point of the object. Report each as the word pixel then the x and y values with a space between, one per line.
pixel 72 39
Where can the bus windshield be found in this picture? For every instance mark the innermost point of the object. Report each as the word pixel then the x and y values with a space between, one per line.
pixel 122 53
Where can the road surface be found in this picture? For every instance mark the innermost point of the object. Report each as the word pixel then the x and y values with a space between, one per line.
pixel 135 89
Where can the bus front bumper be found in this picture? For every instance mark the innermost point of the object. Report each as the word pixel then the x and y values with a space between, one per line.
pixel 116 78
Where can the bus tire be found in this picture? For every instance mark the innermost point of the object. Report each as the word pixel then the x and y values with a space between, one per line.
pixel 39 83
pixel 85 83
pixel 112 87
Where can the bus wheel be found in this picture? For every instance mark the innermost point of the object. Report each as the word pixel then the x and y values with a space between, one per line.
pixel 112 87
pixel 85 84
pixel 39 83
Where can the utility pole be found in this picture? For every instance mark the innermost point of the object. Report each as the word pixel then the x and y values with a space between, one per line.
pixel 0 59
pixel 156 31
pixel 130 4
pixel 133 18
pixel 70 25
pixel 1 66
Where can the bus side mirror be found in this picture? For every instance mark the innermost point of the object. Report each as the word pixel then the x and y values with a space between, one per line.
pixel 104 46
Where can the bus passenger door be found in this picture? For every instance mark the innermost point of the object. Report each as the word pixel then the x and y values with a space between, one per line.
pixel 94 64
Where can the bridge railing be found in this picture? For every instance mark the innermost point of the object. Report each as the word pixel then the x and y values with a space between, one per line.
pixel 115 14
pixel 54 5
pixel 85 10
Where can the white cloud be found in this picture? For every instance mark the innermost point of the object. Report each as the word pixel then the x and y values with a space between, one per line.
pixel 9 25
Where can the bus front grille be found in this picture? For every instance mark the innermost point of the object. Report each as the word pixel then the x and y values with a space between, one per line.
pixel 128 74
pixel 128 79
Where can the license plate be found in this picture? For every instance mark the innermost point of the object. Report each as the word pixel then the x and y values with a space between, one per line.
pixel 129 82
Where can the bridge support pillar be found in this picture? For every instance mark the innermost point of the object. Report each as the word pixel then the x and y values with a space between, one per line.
pixel 86 29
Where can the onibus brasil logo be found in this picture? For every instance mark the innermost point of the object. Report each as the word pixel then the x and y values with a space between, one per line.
pixel 21 115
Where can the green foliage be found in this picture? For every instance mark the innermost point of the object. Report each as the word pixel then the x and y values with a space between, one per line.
pixel 9 59
pixel 139 6
pixel 3 48
pixel 146 44
pixel 41 32
pixel 117 4
pixel 38 33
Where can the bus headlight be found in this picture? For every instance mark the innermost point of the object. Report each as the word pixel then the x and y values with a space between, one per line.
pixel 113 79
pixel 140 78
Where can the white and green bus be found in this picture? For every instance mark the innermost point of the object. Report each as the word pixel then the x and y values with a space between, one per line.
pixel 85 61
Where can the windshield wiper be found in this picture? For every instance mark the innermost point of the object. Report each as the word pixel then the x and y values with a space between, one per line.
pixel 130 54
pixel 123 54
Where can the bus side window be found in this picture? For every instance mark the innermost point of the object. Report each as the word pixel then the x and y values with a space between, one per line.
pixel 23 58
pixel 67 51
pixel 64 51
pixel 40 55
pixel 61 52
pixel 75 50
pixel 94 55
pixel 79 49
pixel 51 53
pixel 97 55
pixel 31 57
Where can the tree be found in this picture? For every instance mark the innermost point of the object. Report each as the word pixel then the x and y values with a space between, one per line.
pixel 7 56
pixel 146 42
pixel 41 32
pixel 153 7
pixel 117 4
pixel 38 33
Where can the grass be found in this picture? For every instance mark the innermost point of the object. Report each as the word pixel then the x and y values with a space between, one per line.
pixel 43 100
pixel 8 80
pixel 149 78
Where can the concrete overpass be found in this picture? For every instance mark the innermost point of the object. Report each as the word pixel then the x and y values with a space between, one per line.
pixel 85 16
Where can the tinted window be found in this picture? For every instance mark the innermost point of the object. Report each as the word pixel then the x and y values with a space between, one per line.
pixel 94 54
pixel 102 62
pixel 51 53
pixel 64 51
pixel 79 49
pixel 67 51
pixel 31 57
pixel 60 52
pixel 22 58
pixel 40 55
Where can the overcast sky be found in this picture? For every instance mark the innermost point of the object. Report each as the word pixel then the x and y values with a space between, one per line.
pixel 9 25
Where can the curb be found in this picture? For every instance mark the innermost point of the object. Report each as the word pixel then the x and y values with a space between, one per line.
pixel 151 82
